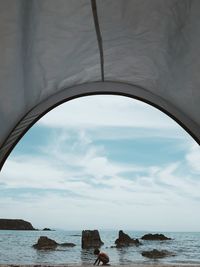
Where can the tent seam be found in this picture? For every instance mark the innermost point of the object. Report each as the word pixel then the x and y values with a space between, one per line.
pixel 99 37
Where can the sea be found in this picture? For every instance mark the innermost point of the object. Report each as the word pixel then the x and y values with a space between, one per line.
pixel 16 248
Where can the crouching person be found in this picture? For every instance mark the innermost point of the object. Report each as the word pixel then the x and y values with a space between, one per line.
pixel 102 257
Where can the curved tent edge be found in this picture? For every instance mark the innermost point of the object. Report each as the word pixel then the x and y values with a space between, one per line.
pixel 95 88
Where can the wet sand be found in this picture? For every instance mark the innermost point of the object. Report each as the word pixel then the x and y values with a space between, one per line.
pixel 90 265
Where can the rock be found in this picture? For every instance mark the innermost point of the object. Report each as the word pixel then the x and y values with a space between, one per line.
pixel 46 229
pixel 45 243
pixel 155 237
pixel 15 224
pixel 125 240
pixel 67 245
pixel 91 239
pixel 156 254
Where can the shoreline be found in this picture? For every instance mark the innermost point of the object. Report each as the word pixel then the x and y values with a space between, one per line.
pixel 114 265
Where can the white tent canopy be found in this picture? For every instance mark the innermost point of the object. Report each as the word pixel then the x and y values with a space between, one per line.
pixel 55 50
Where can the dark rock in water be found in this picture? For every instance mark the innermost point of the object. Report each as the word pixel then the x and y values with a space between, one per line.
pixel 15 224
pixel 46 229
pixel 67 245
pixel 156 254
pixel 45 243
pixel 91 239
pixel 155 237
pixel 75 235
pixel 125 240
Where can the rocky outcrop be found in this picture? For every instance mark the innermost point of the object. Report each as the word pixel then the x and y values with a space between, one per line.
pixel 15 224
pixel 156 254
pixel 125 240
pixel 46 243
pixel 91 239
pixel 155 237
pixel 67 245
pixel 46 229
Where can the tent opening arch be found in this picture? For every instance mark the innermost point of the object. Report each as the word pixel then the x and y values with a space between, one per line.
pixel 94 88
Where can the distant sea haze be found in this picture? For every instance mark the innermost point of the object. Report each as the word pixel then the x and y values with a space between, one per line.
pixel 16 248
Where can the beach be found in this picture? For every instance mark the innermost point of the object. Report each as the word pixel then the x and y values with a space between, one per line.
pixel 17 249
pixel 85 265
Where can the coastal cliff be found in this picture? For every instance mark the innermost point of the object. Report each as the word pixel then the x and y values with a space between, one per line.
pixel 15 224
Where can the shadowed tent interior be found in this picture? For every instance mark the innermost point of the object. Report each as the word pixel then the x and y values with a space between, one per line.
pixel 55 50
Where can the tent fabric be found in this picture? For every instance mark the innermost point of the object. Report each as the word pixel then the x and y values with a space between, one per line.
pixel 55 50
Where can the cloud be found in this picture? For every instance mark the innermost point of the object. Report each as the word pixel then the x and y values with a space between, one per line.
pixel 193 157
pixel 74 177
pixel 107 111
pixel 84 169
pixel 79 169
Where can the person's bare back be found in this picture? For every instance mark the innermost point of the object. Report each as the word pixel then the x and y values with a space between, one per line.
pixel 102 257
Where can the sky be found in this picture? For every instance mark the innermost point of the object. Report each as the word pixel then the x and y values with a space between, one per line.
pixel 104 162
